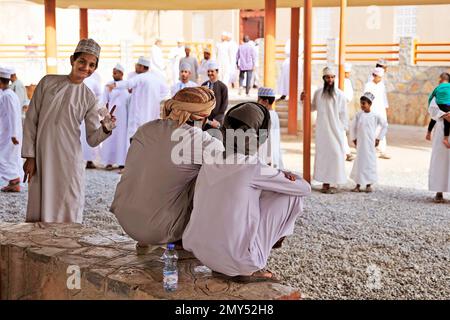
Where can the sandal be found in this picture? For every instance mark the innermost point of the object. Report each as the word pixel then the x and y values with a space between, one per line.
pixel 258 276
pixel 438 200
pixel 13 186
pixel 330 190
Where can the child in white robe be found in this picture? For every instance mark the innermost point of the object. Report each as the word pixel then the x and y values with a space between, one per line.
pixel 10 134
pixel 363 135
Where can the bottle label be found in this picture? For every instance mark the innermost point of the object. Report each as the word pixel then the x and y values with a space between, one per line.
pixel 171 279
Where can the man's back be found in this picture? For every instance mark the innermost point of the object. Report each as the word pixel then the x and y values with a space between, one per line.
pixel 246 56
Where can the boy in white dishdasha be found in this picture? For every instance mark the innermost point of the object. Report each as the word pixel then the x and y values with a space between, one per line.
pixel 363 134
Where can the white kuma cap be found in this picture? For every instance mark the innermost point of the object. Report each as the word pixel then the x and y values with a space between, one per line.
pixel 144 61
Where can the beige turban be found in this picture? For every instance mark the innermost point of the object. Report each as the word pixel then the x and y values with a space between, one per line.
pixel 189 101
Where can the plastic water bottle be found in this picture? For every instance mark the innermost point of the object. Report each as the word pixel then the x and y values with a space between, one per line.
pixel 170 271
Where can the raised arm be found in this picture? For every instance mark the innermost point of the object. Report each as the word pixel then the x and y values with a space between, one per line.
pixel 271 179
pixel 434 111
pixel 129 84
pixel 95 133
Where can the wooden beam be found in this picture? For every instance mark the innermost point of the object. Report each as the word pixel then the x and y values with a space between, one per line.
pixel 342 31
pixel 293 74
pixel 269 43
pixel 50 37
pixel 84 24
pixel 307 91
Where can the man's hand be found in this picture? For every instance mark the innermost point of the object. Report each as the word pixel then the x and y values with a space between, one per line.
pixel 355 142
pixel 290 176
pixel 214 124
pixel 29 168
pixel 109 121
pixel 302 96
pixel 446 117
pixel 111 86
pixel 14 140
pixel 377 142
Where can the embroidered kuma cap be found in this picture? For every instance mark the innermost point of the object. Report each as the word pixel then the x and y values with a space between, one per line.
pixel 88 46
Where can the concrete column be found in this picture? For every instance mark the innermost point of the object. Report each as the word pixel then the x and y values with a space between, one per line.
pixel 406 51
pixel 84 26
pixel 269 43
pixel 293 74
pixel 342 31
pixel 307 91
pixel 50 37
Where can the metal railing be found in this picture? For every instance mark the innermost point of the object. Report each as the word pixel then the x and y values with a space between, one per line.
pixel 436 54
pixel 368 52
pixel 109 51
pixel 319 52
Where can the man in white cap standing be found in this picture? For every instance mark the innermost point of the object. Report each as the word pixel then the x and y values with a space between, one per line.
pixel 215 119
pixel 114 150
pixel 192 61
pixel 175 55
pixel 266 97
pixel 10 134
pixel 51 139
pixel 184 82
pixel 224 59
pixel 380 104
pixel 331 107
pixel 233 48
pixel 148 90
pixel 18 87
pixel 203 68
pixel 158 64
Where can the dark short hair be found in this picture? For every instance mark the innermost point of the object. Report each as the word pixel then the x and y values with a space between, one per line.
pixel 366 100
pixel 271 100
pixel 76 55
pixel 445 76
pixel 4 80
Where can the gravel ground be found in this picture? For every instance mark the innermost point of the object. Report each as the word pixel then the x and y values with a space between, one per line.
pixel 391 244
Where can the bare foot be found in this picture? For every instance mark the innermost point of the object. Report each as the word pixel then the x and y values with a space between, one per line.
pixel 368 188
pixel 142 249
pixel 356 189
pixel 279 243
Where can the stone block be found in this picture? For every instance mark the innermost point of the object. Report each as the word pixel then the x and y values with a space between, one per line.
pixel 40 270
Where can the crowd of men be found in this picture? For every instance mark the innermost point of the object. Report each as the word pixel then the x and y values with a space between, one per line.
pixel 185 179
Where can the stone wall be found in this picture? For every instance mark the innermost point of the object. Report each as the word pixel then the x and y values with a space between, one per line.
pixel 68 261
